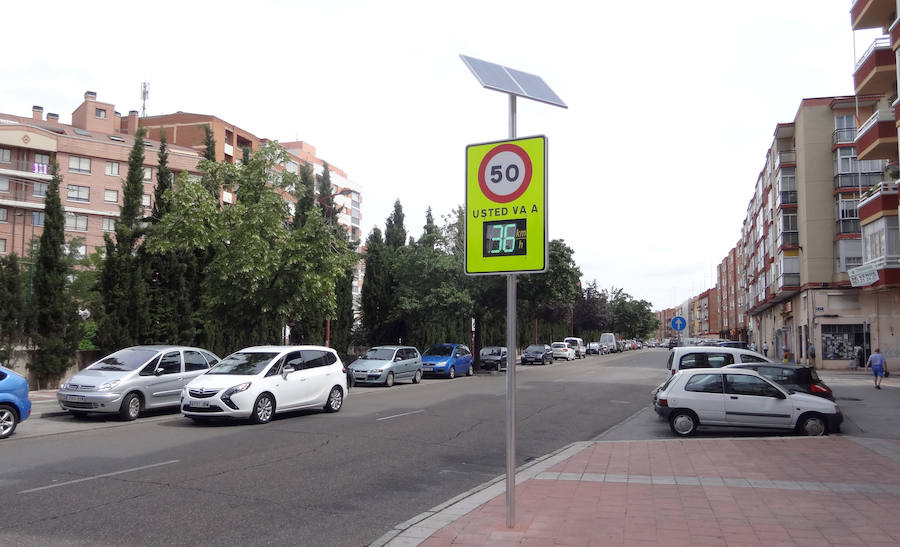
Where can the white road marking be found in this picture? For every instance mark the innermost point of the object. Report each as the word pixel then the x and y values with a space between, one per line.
pixel 620 402
pixel 398 415
pixel 99 476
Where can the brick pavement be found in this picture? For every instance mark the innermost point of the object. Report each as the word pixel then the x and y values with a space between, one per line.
pixel 826 491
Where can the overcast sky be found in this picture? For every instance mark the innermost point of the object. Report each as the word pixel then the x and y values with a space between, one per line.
pixel 672 105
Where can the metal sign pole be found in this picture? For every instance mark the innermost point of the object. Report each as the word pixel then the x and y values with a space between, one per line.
pixel 511 370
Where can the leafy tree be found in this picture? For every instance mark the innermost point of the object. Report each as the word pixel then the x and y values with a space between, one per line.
pixel 305 193
pixel 547 300
pixel 57 325
pixel 12 305
pixel 325 197
pixel 591 312
pixel 209 143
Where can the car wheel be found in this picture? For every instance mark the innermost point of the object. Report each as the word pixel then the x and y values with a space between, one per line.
pixel 78 413
pixel 335 400
pixel 389 381
pixel 131 407
pixel 812 426
pixel 452 373
pixel 417 377
pixel 683 423
pixel 471 370
pixel 263 409
pixel 8 421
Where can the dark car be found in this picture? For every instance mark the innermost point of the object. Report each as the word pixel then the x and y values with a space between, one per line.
pixel 792 377
pixel 537 354
pixel 493 358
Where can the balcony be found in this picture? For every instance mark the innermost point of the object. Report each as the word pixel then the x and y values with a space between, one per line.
pixel 852 180
pixel 843 136
pixel 847 226
pixel 785 158
pixel 871 13
pixel 876 70
pixel 229 150
pixel 877 138
pixel 29 169
pixel 788 239
pixel 786 197
pixel 788 281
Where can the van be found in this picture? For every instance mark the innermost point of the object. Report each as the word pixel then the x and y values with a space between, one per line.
pixel 577 344
pixel 608 339
pixel 687 357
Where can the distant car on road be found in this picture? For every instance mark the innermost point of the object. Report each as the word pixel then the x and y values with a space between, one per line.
pixel 386 365
pixel 447 359
pixel 594 348
pixel 14 403
pixel 562 350
pixel 577 344
pixel 493 357
pixel 608 339
pixel 537 354
pixel 134 379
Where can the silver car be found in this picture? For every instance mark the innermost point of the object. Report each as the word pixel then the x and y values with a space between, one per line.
pixel 134 379
pixel 387 364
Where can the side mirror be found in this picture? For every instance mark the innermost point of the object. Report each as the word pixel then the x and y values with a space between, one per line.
pixel 286 370
pixel 398 358
pixel 158 372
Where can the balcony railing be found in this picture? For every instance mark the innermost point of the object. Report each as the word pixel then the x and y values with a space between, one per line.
pixel 883 115
pixel 788 238
pixel 27 167
pixel 847 226
pixel 785 156
pixel 788 280
pixel 852 180
pixel 842 136
pixel 886 261
pixel 787 198
pixel 882 42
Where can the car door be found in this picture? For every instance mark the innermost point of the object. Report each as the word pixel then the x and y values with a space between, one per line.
pixel 753 401
pixel 466 358
pixel 161 380
pixel 401 365
pixel 195 364
pixel 704 394
pixel 288 383
pixel 317 375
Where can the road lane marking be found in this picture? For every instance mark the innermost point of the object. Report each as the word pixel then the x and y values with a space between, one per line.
pixel 98 476
pixel 620 402
pixel 398 415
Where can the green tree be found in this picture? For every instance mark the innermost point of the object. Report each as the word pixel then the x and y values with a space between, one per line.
pixel 209 144
pixel 305 193
pixel 12 305
pixel 57 327
pixel 394 230
pixel 325 197
pixel 376 299
pixel 547 301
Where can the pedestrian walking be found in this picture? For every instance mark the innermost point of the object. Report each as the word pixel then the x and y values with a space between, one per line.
pixel 766 349
pixel 811 353
pixel 878 363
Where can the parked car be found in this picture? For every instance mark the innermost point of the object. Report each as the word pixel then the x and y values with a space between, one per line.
pixel 577 344
pixel 594 348
pixel 791 377
pixel 14 403
pixel 134 379
pixel 537 354
pixel 258 382
pixel 686 357
pixel 608 339
pixel 447 359
pixel 387 364
pixel 493 357
pixel 562 350
pixel 733 344
pixel 732 397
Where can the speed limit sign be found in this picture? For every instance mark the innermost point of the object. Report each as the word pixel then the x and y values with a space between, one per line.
pixel 506 207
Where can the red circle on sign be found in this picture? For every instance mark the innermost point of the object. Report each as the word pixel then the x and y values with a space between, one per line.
pixel 526 178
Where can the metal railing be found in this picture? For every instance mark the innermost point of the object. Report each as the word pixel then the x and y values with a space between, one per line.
pixel 883 115
pixel 842 136
pixel 787 197
pixel 882 42
pixel 788 280
pixel 788 238
pixel 26 167
pixel 847 226
pixel 852 180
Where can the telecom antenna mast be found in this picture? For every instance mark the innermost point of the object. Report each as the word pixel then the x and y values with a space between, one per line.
pixel 145 93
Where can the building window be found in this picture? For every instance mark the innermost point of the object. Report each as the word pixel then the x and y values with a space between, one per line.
pixel 111 196
pixel 79 165
pixel 112 168
pixel 838 340
pixel 4 184
pixel 40 190
pixel 148 174
pixel 37 219
pixel 78 193
pixel 5 155
pixel 145 200
pixel 108 224
pixel 100 113
pixel 76 223
pixel 43 159
pixel 4 215
pixel 2 246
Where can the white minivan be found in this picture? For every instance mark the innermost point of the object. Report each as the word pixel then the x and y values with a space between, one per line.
pixel 577 344
pixel 608 339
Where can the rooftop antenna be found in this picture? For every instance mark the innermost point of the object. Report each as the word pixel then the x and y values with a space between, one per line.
pixel 145 93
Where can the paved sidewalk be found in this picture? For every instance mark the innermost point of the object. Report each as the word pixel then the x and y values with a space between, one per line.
pixel 774 491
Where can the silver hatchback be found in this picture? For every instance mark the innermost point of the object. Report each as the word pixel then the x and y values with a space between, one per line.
pixel 134 379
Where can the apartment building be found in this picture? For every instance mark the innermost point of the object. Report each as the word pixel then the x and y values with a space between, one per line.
pixel 92 154
pixel 731 323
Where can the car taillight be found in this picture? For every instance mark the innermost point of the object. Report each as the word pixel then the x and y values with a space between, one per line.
pixel 816 388
pixel 662 402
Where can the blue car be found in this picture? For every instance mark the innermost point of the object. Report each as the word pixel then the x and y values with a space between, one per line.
pixel 14 403
pixel 448 360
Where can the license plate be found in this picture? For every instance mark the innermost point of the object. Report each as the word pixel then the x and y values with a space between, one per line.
pixel 359 376
pixel 74 397
pixel 428 369
pixel 201 404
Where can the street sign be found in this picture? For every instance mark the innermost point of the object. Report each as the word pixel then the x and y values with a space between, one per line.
pixel 506 207
pixel 862 276
pixel 678 323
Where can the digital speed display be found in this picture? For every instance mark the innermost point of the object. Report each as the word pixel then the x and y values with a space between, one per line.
pixel 505 238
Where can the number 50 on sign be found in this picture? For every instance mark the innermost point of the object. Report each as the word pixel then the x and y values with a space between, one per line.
pixel 506 207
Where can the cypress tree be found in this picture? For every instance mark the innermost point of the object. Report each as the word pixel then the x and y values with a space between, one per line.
pixel 306 197
pixel 326 197
pixel 56 322
pixel 376 299
pixel 12 305
pixel 210 143
pixel 394 230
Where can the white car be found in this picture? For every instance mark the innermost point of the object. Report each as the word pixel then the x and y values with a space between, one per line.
pixel 562 350
pixel 258 382
pixel 733 397
pixel 689 357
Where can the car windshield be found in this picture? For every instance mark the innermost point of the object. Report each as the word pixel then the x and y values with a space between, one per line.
pixel 125 359
pixel 491 351
pixel 379 354
pixel 248 363
pixel 439 350
pixel 532 349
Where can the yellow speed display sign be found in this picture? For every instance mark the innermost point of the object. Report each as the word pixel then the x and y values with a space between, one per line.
pixel 506 207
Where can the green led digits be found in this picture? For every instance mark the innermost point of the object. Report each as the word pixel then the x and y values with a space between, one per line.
pixel 505 238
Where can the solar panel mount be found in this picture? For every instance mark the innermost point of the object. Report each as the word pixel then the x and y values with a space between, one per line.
pixel 512 81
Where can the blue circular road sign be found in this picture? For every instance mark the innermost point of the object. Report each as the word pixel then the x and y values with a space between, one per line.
pixel 678 323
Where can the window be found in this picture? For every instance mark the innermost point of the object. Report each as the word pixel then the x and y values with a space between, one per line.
pixel 838 340
pixel 43 159
pixel 76 222
pixel 78 193
pixel 145 200
pixel 313 358
pixel 4 215
pixel 40 189
pixel 108 224
pixel 705 383
pixel 741 384
pixel 705 360
pixel 2 246
pixel 79 165
pixel 111 196
pixel 170 363
pixel 37 219
pixel 112 168
pixel 746 358
pixel 194 361
pixel 4 184
pixel 210 358
pixel 100 113
pixel 5 155
pixel 148 174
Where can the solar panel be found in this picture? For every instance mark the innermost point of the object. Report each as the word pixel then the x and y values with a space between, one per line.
pixel 508 80
pixel 81 132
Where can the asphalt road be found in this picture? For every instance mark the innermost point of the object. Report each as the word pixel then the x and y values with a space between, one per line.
pixel 306 478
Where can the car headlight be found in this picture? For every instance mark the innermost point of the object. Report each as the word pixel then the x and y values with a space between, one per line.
pixel 236 389
pixel 109 385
